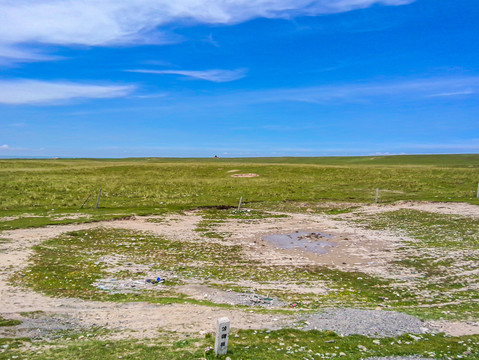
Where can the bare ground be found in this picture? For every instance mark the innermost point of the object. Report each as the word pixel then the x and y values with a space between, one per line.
pixel 357 249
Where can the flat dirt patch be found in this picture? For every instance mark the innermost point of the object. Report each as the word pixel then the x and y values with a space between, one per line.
pixel 250 175
pixel 356 249
pixel 462 209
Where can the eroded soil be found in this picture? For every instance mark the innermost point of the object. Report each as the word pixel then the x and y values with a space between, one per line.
pixel 356 248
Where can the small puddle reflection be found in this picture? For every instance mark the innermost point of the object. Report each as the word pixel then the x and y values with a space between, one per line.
pixel 302 240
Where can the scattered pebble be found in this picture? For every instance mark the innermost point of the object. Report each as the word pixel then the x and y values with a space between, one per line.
pixel 364 322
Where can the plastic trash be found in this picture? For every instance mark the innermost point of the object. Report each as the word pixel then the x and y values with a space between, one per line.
pixel 155 281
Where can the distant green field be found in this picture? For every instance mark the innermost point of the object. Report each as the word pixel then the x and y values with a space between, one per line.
pixel 159 184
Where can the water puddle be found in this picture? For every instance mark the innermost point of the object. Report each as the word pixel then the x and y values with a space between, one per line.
pixel 301 240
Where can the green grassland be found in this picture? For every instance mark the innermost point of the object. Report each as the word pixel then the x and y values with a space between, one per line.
pixel 35 193
pixel 154 185
pixel 252 345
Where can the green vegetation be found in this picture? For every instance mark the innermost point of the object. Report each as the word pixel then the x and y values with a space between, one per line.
pixel 442 249
pixel 38 218
pixel 214 216
pixel 5 322
pixel 433 230
pixel 70 265
pixel 294 344
pixel 250 344
pixel 77 264
pixel 155 185
pixel 33 314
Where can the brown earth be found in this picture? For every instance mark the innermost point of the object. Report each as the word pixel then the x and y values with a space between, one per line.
pixel 357 249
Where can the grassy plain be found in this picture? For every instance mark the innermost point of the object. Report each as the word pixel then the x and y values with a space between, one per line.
pixel 254 345
pixel 42 189
pixel 36 193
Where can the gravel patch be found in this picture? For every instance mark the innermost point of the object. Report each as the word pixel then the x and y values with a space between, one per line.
pixel 245 298
pixel 122 286
pixel 42 326
pixel 203 292
pixel 376 323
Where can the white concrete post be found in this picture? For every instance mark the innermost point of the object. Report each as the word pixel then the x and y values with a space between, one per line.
pixel 222 333
pixel 377 196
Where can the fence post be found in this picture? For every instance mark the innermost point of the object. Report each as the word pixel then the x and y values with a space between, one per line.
pixel 239 205
pixel 98 200
pixel 85 201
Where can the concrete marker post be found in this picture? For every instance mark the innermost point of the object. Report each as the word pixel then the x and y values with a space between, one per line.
pixel 222 333
pixel 377 196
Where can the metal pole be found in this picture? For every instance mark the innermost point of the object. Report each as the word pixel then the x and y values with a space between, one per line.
pixel 98 200
pixel 239 205
pixel 85 201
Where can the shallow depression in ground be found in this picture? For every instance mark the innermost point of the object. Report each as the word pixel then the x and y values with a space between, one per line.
pixel 301 240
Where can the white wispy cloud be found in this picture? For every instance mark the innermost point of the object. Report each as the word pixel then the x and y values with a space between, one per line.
pixel 215 75
pixel 407 89
pixel 15 92
pixel 454 93
pixel 393 91
pixel 107 22
pixel 4 147
pixel 10 54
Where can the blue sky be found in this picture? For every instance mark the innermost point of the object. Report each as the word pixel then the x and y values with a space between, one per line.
pixel 238 77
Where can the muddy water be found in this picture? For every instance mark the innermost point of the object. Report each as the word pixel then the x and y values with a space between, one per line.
pixel 301 240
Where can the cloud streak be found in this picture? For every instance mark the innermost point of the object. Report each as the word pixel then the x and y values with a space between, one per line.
pixel 110 22
pixel 454 93
pixel 410 89
pixel 13 54
pixel 21 92
pixel 406 90
pixel 209 75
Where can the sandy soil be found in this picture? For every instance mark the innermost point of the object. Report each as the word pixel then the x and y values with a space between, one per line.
pixel 244 175
pixel 462 209
pixel 356 249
